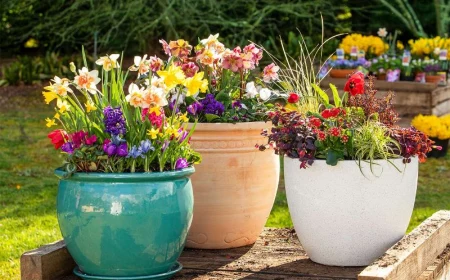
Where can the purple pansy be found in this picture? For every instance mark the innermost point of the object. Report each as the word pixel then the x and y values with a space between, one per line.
pixel 212 106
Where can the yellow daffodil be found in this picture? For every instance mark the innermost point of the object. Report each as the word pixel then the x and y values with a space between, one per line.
pixel 153 133
pixel 50 122
pixel 156 110
pixel 90 106
pixel 63 106
pixel 173 76
pixel 196 84
pixel 49 96
pixel 184 118
pixel 56 116
pixel 172 131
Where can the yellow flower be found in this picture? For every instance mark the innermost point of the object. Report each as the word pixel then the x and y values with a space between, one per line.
pixel 172 77
pixel 153 133
pixel 172 131
pixel 49 96
pixel 56 116
pixel 196 84
pixel 433 126
pixel 184 118
pixel 50 122
pixel 90 106
pixel 156 110
pixel 63 106
pixel 400 45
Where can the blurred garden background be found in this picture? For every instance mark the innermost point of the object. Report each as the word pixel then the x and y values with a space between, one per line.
pixel 40 38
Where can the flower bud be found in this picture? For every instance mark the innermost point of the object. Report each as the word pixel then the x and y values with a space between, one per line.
pixel 73 68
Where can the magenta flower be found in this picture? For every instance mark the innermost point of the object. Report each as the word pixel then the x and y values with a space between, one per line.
pixel 189 69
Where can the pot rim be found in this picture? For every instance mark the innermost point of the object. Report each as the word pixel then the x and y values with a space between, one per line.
pixel 230 126
pixel 353 161
pixel 126 177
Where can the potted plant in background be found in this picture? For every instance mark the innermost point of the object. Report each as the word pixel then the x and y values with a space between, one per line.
pixel 407 73
pixel 437 128
pixel 345 172
pixel 432 68
pixel 233 198
pixel 342 68
pixel 125 201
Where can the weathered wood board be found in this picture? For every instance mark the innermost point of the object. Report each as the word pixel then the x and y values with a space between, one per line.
pixel 277 254
pixel 411 98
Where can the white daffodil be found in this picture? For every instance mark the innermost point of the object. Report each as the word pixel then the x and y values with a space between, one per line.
pixel 382 32
pixel 108 62
pixel 135 95
pixel 141 65
pixel 264 94
pixel 87 80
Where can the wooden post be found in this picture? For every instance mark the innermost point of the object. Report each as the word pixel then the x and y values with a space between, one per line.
pixel 48 262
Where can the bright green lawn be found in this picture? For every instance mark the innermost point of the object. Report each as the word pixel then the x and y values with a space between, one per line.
pixel 28 187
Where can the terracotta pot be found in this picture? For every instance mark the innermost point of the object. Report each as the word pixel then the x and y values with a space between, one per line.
pixel 433 78
pixel 341 73
pixel 234 186
pixel 381 77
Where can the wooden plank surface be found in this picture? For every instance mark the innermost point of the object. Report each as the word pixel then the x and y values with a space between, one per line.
pixel 411 256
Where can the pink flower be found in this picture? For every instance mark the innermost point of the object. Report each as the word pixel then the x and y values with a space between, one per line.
pixel 232 61
pixel 165 46
pixel 271 73
pixel 247 61
pixel 189 69
pixel 257 54
pixel 155 63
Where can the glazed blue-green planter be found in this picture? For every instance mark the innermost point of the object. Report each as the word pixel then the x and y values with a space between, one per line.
pixel 125 224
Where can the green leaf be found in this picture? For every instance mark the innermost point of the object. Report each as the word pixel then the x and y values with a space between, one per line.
pixel 322 94
pixel 337 99
pixel 224 98
pixel 286 86
pixel 211 117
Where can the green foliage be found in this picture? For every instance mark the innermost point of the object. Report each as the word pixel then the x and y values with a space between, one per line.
pixel 372 142
pixel 136 25
pixel 11 74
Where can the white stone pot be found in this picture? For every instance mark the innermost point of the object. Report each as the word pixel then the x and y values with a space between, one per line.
pixel 346 216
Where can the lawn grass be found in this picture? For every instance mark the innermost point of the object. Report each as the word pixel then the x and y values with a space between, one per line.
pixel 28 187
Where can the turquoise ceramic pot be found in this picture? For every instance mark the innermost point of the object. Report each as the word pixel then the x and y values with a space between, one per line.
pixel 125 224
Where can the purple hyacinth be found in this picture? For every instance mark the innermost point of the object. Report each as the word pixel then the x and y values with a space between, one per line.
pixel 181 163
pixel 195 108
pixel 212 106
pixel 114 121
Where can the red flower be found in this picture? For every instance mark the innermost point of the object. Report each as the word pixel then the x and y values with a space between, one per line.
pixel 293 97
pixel 344 138
pixel 330 113
pixel 58 138
pixel 355 84
pixel 315 122
pixel 335 131
pixel 321 135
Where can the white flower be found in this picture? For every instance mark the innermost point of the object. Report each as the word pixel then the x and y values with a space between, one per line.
pixel 141 65
pixel 135 95
pixel 251 90
pixel 382 32
pixel 437 51
pixel 108 62
pixel 87 80
pixel 210 41
pixel 264 94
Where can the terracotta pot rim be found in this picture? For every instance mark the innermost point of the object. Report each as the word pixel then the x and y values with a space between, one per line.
pixel 230 126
